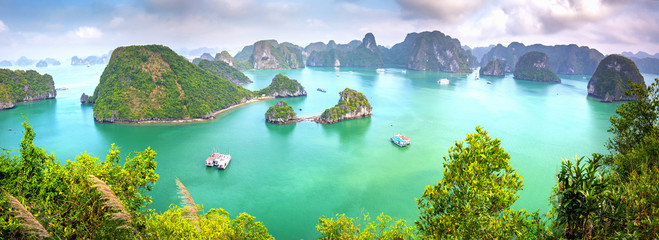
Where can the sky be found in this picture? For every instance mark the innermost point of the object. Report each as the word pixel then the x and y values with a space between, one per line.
pixel 62 29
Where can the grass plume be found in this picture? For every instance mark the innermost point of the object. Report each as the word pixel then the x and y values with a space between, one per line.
pixel 112 202
pixel 29 221
pixel 188 203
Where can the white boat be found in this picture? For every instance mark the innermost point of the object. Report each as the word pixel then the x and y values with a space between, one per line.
pixel 401 140
pixel 337 75
pixel 403 71
pixel 219 160
pixel 477 77
pixel 443 81
pixel 380 70
pixel 488 82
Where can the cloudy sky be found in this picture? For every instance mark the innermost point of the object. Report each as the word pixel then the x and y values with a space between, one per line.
pixel 39 29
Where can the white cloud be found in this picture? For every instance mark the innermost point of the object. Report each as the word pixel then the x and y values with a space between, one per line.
pixel 3 27
pixel 88 32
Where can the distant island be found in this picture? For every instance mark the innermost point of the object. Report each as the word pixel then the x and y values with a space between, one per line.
pixel 262 55
pixel 563 59
pixel 355 54
pixel 23 86
pixel 152 83
pixel 496 67
pixel 610 80
pixel 5 63
pixel 90 60
pixel 534 66
pixel 430 51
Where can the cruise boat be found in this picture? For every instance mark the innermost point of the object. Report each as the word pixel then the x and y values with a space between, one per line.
pixel 443 81
pixel 219 160
pixel 401 140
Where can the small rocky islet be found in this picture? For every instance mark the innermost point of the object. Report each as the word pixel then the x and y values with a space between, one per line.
pixel 352 105
pixel 611 79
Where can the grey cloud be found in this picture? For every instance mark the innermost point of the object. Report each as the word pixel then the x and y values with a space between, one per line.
pixel 445 10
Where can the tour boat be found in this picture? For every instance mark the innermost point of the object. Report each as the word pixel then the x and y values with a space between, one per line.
pixel 401 140
pixel 321 90
pixel 403 71
pixel 219 160
pixel 380 70
pixel 443 81
pixel 488 82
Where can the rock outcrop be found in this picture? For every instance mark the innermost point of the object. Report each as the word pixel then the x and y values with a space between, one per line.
pixel 280 113
pixel 564 59
pixel 352 104
pixel 534 66
pixel 52 62
pixel 610 80
pixel 496 67
pixel 23 86
pixel 84 99
pixel 282 86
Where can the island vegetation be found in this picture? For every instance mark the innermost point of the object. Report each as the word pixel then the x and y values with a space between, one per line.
pixel 613 77
pixel 21 86
pixel 282 86
pixel 224 70
pixel 280 113
pixel 355 54
pixel 612 195
pixel 352 104
pixel 534 66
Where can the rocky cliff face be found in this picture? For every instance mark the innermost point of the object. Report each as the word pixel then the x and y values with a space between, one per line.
pixel 352 104
pixel 495 68
pixel 268 54
pixel 564 59
pixel 84 99
pixel 354 54
pixel 24 86
pixel 434 51
pixel 224 56
pixel 610 80
pixel 534 66
pixel 280 113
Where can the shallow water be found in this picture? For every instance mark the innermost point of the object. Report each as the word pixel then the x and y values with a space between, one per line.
pixel 288 176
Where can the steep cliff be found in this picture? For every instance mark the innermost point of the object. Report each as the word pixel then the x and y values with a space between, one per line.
pixel 610 80
pixel 365 54
pixel 23 86
pixel 434 51
pixel 282 86
pixel 534 66
pixel 280 113
pixel 268 54
pixel 564 59
pixel 352 104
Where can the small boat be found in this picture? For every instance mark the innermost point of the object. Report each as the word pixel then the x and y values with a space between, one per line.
pixel 488 82
pixel 380 70
pixel 403 71
pixel 88 65
pixel 443 81
pixel 337 75
pixel 61 88
pixel 219 160
pixel 10 129
pixel 401 140
pixel 477 77
pixel 321 90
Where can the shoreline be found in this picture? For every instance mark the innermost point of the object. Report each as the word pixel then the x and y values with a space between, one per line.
pixel 316 120
pixel 212 114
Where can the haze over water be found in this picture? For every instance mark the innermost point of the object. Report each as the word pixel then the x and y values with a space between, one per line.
pixel 288 176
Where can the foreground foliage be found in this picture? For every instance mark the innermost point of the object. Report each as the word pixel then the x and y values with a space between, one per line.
pixel 383 227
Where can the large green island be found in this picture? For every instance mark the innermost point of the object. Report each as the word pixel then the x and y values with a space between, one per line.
pixel 24 86
pixel 611 79
pixel 153 84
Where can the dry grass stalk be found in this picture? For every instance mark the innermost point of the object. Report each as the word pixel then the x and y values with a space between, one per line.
pixel 112 202
pixel 29 221
pixel 188 202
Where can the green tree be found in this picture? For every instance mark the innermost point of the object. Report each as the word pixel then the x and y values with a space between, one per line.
pixel 383 227
pixel 473 198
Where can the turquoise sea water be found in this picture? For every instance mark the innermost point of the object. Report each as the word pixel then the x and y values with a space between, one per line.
pixel 288 176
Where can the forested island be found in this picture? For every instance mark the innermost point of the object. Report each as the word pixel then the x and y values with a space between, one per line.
pixel 280 113
pixel 534 66
pixel 22 86
pixel 611 80
pixel 352 104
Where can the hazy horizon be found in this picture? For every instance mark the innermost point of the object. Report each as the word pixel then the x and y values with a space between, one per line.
pixel 62 29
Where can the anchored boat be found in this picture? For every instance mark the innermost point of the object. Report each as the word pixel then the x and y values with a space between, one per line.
pixel 219 160
pixel 401 140
pixel 321 90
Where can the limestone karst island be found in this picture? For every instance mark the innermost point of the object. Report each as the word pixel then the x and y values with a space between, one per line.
pixel 369 119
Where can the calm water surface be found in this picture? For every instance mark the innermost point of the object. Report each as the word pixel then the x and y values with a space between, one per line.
pixel 289 176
